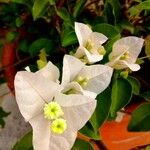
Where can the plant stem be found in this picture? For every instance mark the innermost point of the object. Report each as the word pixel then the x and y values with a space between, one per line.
pixel 141 58
pixel 98 144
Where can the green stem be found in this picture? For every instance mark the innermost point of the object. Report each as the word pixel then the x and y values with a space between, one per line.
pixel 141 58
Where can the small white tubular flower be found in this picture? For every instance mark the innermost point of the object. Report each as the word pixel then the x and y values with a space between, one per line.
pixel 125 52
pixel 75 88
pixel 54 117
pixel 90 44
pixel 94 78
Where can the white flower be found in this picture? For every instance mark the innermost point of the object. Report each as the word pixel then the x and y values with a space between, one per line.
pixel 89 80
pixel 125 52
pixel 90 44
pixel 55 117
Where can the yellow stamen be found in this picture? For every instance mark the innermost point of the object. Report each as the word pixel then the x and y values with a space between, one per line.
pixel 125 56
pixel 58 126
pixel 101 50
pixel 89 45
pixel 52 110
pixel 83 81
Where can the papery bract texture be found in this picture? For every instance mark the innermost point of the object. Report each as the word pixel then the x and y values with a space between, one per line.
pixel 34 90
pixel 90 44
pixel 125 52
pixel 99 76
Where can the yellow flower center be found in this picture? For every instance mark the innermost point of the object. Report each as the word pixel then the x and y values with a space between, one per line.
pixel 125 56
pixel 52 110
pixel 84 59
pixel 83 81
pixel 101 50
pixel 71 91
pixel 59 126
pixel 89 45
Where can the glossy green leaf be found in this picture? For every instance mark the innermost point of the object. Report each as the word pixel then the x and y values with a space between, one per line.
pixel 135 10
pixel 78 7
pixel 116 8
pixel 20 1
pixel 113 35
pixel 82 145
pixel 108 14
pixel 39 44
pixel 28 3
pixel 146 95
pixel 3 114
pixel 140 119
pixel 25 143
pixel 38 8
pixel 110 43
pixel 102 109
pixel 88 131
pixel 126 25
pixel 11 36
pixel 108 47
pixel 110 31
pixel 69 38
pixel 135 85
pixel 63 14
pixel 121 95
pixel 24 46
pixel 52 2
pixel 19 22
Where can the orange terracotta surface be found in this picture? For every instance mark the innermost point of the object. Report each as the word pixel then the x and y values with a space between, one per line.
pixel 116 137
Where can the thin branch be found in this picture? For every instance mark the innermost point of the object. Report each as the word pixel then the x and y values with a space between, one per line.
pixel 16 64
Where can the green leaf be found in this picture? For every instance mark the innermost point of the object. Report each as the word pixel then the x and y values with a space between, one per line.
pixel 116 8
pixel 121 95
pixel 136 10
pixel 146 95
pixel 110 43
pixel 52 2
pixel 39 44
pixel 108 14
pixel 140 118
pixel 147 46
pixel 88 131
pixel 110 31
pixel 81 145
pixel 11 36
pixel 4 1
pixel 20 1
pixel 78 7
pixel 125 24
pixel 135 85
pixel 69 38
pixel 19 22
pixel 24 2
pixel 63 14
pixel 38 7
pixel 24 46
pixel 3 114
pixel 25 143
pixel 102 109
pixel 148 147
pixel 108 48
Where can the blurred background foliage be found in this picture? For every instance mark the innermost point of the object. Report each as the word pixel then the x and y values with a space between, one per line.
pixel 27 26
